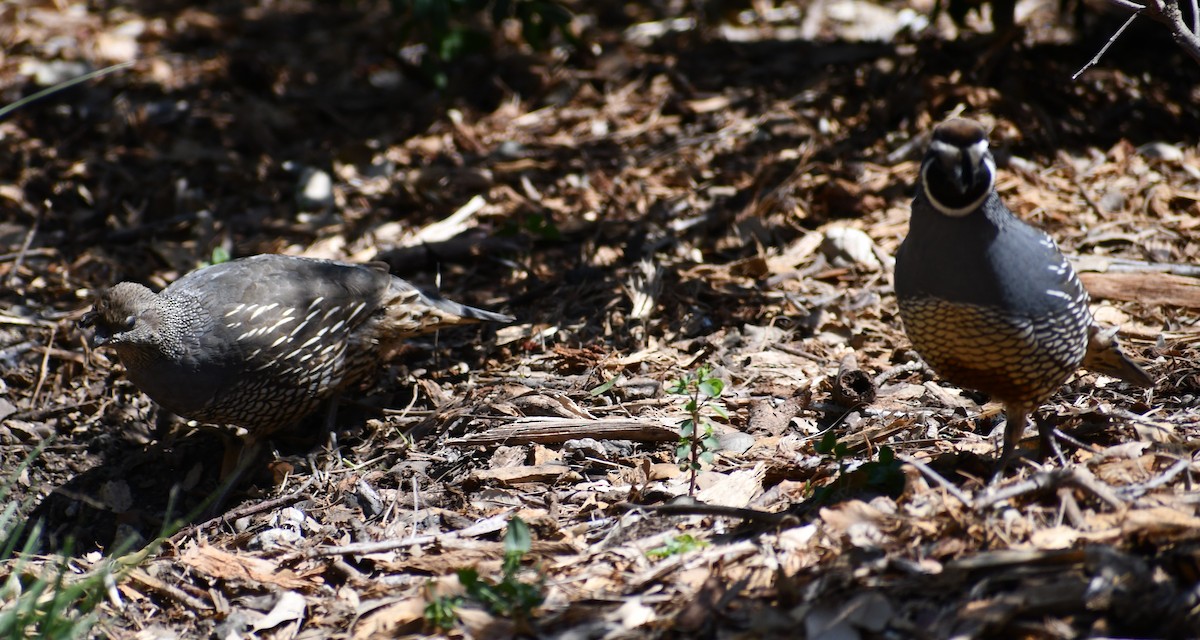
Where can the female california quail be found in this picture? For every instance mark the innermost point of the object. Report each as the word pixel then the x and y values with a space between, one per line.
pixel 259 343
pixel 987 300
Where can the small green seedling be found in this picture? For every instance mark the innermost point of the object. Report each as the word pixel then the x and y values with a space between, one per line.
pixel 697 443
pixel 510 597
pixel 676 546
pixel 441 613
pixel 880 476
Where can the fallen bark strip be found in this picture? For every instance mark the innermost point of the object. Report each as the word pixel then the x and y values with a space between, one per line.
pixel 524 474
pixel 1147 288
pixel 557 430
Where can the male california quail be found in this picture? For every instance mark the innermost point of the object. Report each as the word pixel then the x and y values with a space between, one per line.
pixel 987 300
pixel 259 343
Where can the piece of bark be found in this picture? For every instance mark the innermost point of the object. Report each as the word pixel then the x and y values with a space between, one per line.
pixel 1148 288
pixel 509 476
pixel 853 387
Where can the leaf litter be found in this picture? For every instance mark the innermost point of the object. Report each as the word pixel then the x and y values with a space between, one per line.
pixel 726 195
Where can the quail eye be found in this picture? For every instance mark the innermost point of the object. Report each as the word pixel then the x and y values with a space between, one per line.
pixel 128 322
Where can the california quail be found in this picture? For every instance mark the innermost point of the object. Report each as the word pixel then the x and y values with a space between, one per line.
pixel 259 343
pixel 987 300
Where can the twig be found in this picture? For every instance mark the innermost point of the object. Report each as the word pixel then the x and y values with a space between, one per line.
pixel 60 86
pixel 907 367
pixel 37 389
pixel 1096 59
pixel 1071 509
pixel 248 510
pixel 40 252
pixel 23 251
pixel 692 507
pixel 148 581
pixel 1135 490
pixel 1079 477
pixel 1084 479
pixel 1183 36
pixel 494 523
pixel 936 477
pixel 1075 442
pixel 25 322
pixel 1168 13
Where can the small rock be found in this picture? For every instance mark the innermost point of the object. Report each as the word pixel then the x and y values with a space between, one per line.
pixel 1161 151
pixel 48 74
pixel 314 190
pixel 847 245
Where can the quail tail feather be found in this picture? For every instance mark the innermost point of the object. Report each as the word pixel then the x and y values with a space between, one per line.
pixel 1104 355
pixel 412 312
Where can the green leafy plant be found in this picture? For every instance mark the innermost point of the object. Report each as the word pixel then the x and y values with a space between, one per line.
pixel 882 475
pixel 441 613
pixel 453 29
pixel 676 546
pixel 46 601
pixel 510 596
pixel 701 392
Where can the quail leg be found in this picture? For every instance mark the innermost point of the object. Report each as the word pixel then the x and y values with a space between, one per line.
pixel 1017 418
pixel 240 454
pixel 1048 444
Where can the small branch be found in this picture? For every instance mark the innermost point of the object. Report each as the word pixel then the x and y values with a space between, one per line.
pixel 1168 13
pixel 1136 490
pixel 1096 59
pixel 686 506
pixel 936 477
pixel 1184 37
pixel 907 367
pixel 1078 477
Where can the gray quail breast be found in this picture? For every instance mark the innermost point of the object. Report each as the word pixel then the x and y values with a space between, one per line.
pixel 258 343
pixel 987 300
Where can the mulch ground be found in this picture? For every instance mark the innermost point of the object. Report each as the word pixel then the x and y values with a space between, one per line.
pixel 728 192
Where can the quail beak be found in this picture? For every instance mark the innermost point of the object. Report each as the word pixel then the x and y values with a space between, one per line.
pixel 961 169
pixel 101 335
pixel 967 173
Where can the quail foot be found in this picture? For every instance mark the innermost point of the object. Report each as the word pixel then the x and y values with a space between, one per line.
pixel 989 301
pixel 259 343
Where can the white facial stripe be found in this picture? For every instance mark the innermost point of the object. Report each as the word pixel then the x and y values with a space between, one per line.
pixel 988 164
pixel 978 153
pixel 945 149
